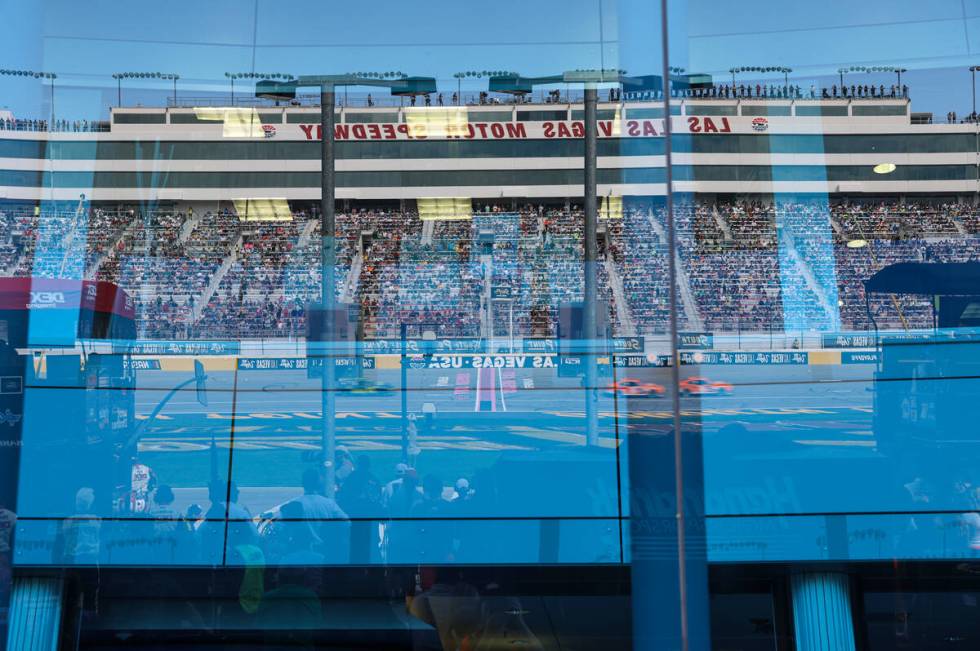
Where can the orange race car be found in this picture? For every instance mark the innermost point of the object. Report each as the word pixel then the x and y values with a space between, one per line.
pixel 635 388
pixel 700 386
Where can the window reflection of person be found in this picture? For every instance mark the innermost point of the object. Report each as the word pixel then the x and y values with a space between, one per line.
pixel 329 525
pixel 78 541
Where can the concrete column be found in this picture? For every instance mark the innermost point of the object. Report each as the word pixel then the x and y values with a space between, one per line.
pixel 35 614
pixel 822 612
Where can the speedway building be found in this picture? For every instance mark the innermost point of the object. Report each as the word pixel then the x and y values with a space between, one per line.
pixel 158 274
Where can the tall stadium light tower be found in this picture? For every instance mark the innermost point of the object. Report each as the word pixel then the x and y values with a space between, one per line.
pixel 513 83
pixel 899 71
pixel 399 84
pixel 973 76
pixel 37 74
pixel 119 76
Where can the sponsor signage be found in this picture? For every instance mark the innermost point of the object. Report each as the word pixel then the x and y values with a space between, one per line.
pixel 9 418
pixel 628 344
pixel 419 346
pixel 539 345
pixel 141 364
pixel 695 340
pixel 451 128
pixel 848 340
pixel 851 357
pixel 638 361
pixel 503 291
pixel 867 340
pixel 300 363
pixel 11 385
pixel 570 366
pixel 745 358
pixel 178 347
pixel 482 361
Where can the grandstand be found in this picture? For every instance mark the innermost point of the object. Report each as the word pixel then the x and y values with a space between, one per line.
pixel 745 266
pixel 761 248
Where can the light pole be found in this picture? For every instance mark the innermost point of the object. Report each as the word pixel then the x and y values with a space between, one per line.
pixel 973 77
pixel 172 77
pixel 674 71
pixel 119 76
pixel 872 69
pixel 36 74
pixel 841 72
pixel 764 69
pixel 480 74
pixel 399 84
pixel 459 87
pixel 899 71
pixel 231 76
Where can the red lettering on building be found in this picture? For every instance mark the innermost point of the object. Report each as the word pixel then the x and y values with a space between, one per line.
pixel 516 130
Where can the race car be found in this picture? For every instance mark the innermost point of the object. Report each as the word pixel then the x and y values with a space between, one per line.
pixel 364 386
pixel 634 388
pixel 700 386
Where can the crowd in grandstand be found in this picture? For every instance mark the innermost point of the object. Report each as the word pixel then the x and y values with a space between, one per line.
pixel 746 265
pixel 17 124
pixel 794 91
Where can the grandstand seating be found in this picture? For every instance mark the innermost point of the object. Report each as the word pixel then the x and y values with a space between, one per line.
pixel 749 265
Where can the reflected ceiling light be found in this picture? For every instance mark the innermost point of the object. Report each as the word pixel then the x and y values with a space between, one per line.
pixel 857 244
pixel 238 122
pixel 884 168
pixel 445 208
pixel 438 121
pixel 263 210
pixel 611 208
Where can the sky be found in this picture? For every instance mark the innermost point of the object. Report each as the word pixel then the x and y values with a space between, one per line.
pixel 85 42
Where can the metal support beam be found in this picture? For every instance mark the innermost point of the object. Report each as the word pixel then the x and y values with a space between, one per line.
pixel 591 254
pixel 328 395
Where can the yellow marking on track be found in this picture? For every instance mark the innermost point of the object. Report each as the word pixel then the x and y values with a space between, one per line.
pixel 557 436
pixel 842 444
